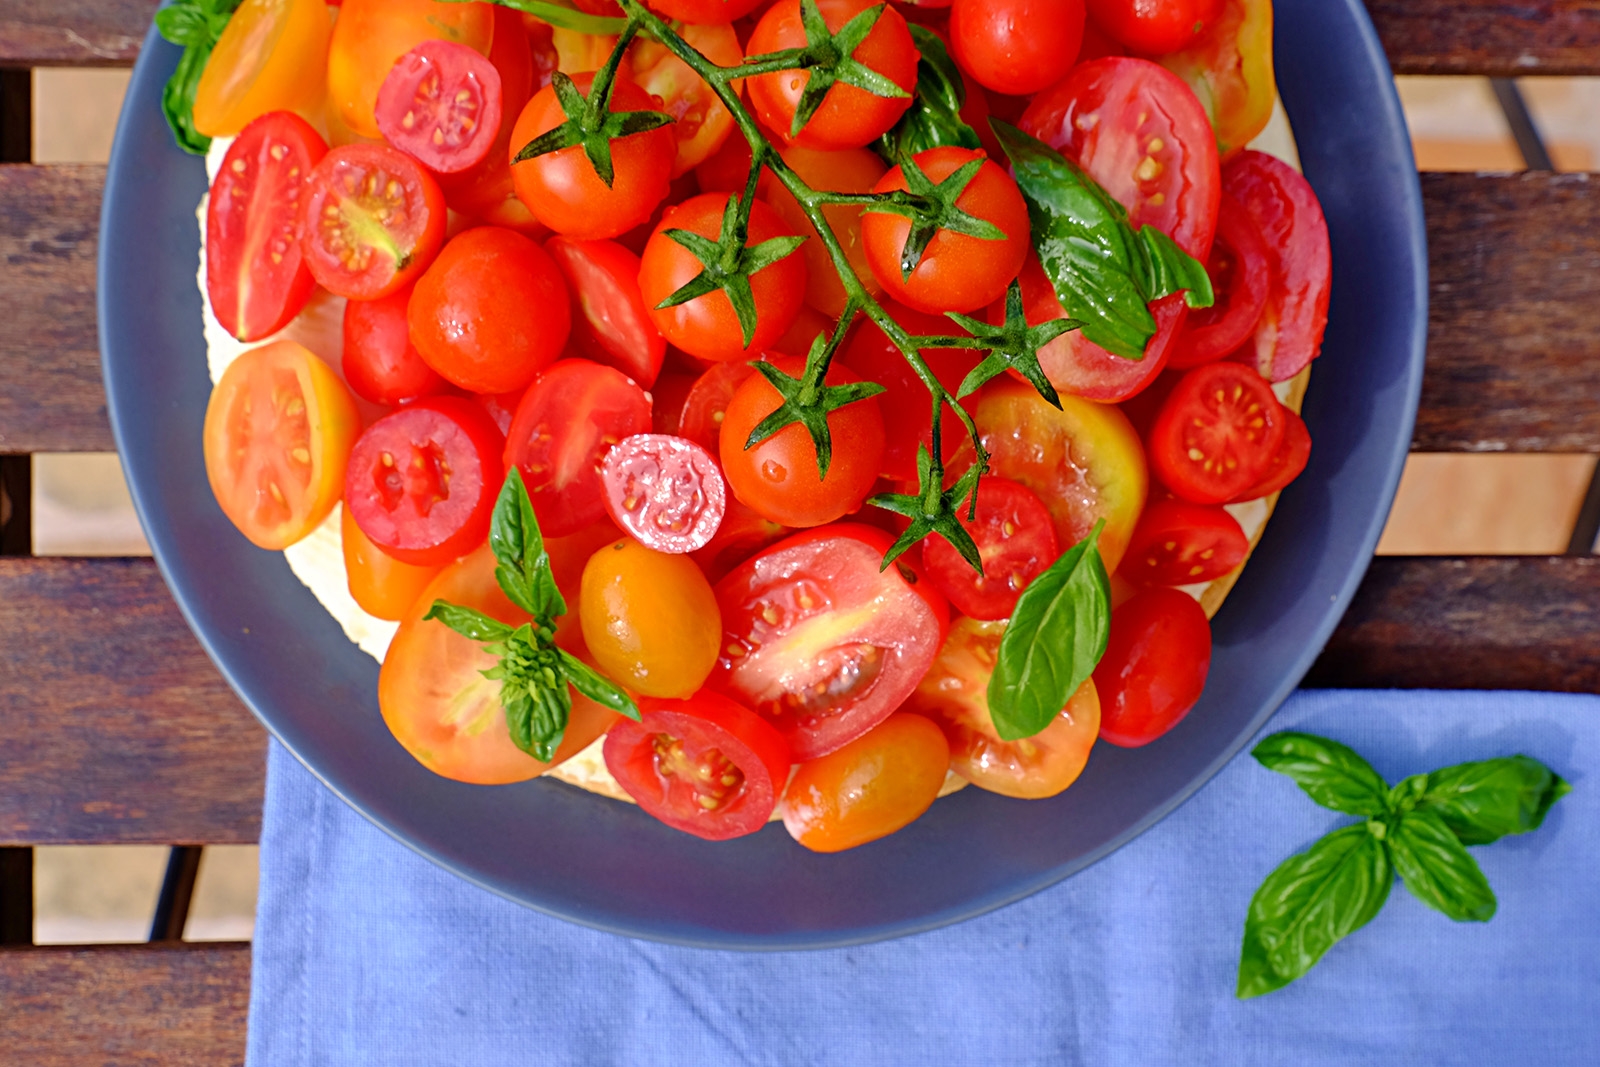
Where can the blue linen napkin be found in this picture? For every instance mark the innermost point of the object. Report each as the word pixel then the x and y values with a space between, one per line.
pixel 366 953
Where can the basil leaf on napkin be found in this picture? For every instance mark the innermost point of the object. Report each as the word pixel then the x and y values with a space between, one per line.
pixel 195 26
pixel 1485 800
pixel 1332 774
pixel 1438 869
pixel 934 118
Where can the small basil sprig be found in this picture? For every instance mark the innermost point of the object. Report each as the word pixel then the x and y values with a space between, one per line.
pixel 1417 829
pixel 934 118
pixel 533 673
pixel 563 15
pixel 195 26
pixel 1104 271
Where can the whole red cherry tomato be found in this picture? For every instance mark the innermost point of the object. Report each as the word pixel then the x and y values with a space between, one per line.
pixel 1219 428
pixel 371 221
pixel 665 491
pixel 380 362
pixel 1179 543
pixel 702 11
pixel 1016 46
pixel 1155 29
pixel 1154 668
pixel 441 104
pixel 1016 540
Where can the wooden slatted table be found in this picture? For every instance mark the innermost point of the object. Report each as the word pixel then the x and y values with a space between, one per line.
pixel 114 727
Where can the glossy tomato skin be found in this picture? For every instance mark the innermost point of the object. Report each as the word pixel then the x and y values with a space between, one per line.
pixel 422 481
pixel 702 11
pixel 955 694
pixel 278 432
pixel 878 783
pixel 666 491
pixel 650 619
pixel 1241 278
pixel 381 585
pixel 1287 463
pixel 700 121
pixel 1154 668
pixel 371 35
pixel 1179 543
pixel 256 276
pixel 437 702
pixel 708 326
pixel 822 643
pixel 380 362
pixel 564 426
pixel 956 272
pixel 704 765
pixel 372 220
pixel 267 59
pixel 1155 29
pixel 1229 67
pixel 1016 47
pixel 849 117
pixel 562 188
pixel 1216 433
pixel 610 323
pixel 492 312
pixel 1016 541
pixel 779 477
pixel 848 170
pixel 441 104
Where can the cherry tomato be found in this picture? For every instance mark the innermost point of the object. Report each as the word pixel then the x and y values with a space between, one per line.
pixel 610 323
pixel 1287 463
pixel 803 332
pixel 441 105
pixel 564 427
pixel 268 58
pixel 706 405
pixel 704 765
pixel 701 11
pixel 849 117
pixel 256 276
pixel 727 169
pixel 1285 210
pixel 779 476
pixel 877 784
pixel 278 432
pixel 1083 461
pixel 1097 43
pixel 822 642
pixel 423 481
pixel 1216 433
pixel 380 362
pixel 650 619
pixel 1241 277
pixel 1016 46
pixel 707 326
pixel 500 407
pixel 1155 29
pixel 955 694
pixel 700 121
pixel 492 311
pixel 1016 541
pixel 1154 668
pixel 371 221
pixel 437 702
pixel 851 170
pixel 1229 67
pixel 665 491
pixel 956 272
pixel 369 36
pixel 742 534
pixel 1179 543
pixel 381 585
pixel 562 188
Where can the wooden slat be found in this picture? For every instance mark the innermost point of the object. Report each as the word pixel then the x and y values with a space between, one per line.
pixel 1495 37
pixel 115 726
pixel 1484 623
pixel 73 33
pixel 162 1006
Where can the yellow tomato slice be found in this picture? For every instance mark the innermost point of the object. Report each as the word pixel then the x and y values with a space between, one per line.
pixel 1230 70
pixel 269 58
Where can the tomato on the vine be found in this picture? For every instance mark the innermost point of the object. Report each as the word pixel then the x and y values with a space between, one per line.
pixel 268 58
pixel 849 170
pixel 380 363
pixel 1155 29
pixel 876 784
pixel 1016 541
pixel 650 619
pixel 441 104
pixel 1241 277
pixel 666 491
pixel 1016 47
pixel 371 221
pixel 610 322
pixel 1155 666
pixel 1179 543
pixel 1220 427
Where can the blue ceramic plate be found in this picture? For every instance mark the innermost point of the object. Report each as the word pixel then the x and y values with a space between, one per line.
pixel 607 865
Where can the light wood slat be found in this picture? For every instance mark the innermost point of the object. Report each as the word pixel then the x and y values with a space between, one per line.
pixel 73 33
pixel 1494 37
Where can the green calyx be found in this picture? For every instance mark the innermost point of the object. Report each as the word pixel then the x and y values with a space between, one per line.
pixel 807 401
pixel 829 58
pixel 933 510
pixel 1013 345
pixel 931 207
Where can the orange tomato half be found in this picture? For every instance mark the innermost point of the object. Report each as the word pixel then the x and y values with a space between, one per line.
pixel 382 586
pixel 269 58
pixel 882 781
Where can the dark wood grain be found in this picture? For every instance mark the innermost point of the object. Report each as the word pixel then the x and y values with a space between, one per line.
pixel 74 33
pixel 115 725
pixel 162 1006
pixel 1483 623
pixel 1505 38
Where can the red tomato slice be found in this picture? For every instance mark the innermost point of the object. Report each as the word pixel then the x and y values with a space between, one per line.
pixel 704 765
pixel 1216 433
pixel 742 534
pixel 422 482
pixel 567 422
pixel 1179 543
pixel 371 221
pixel 609 322
pixel 665 491
pixel 1287 463
pixel 441 104
pixel 707 403
pixel 1016 540
pixel 1241 276
pixel 1285 210
pixel 256 277
pixel 822 643
pixel 1154 668
pixel 380 362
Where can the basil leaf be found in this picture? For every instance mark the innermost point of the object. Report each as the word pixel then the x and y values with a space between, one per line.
pixel 524 570
pixel 195 25
pixel 1056 636
pixel 474 625
pixel 1306 906
pixel 1163 269
pixel 597 687
pixel 1332 774
pixel 934 118
pixel 563 15
pixel 537 718
pixel 184 24
pixel 1484 801
pixel 1438 870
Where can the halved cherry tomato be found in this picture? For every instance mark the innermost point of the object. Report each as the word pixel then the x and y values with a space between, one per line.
pixel 610 322
pixel 701 11
pixel 372 220
pixel 441 104
pixel 1016 46
pixel 1287 463
pixel 369 36
pixel 1229 67
pixel 1155 29
pixel 822 642
pixel 1241 277
pixel 850 170
pixel 1154 668
pixel 955 694
pixel 1179 543
pixel 706 405
pixel 700 121
pixel 871 787
pixel 278 431
pixel 491 313
pixel 437 702
pixel 704 765
pixel 567 422
pixel 381 585
pixel 956 272
pixel 849 117
pixel 666 491
pixel 650 619
pixel 380 362
pixel 256 276
pixel 742 534
pixel 1216 433
pixel 1016 541
pixel 270 57
pixel 422 481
